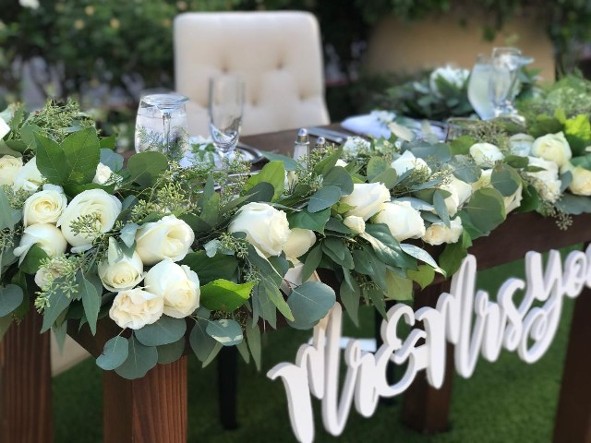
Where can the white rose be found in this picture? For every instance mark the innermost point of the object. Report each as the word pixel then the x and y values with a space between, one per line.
pixel 366 200
pixel 33 4
pixel 438 233
pixel 511 202
pixel 46 236
pixel 342 163
pixel 45 206
pixel 28 177
pixel 49 272
pixel 298 243
pixel 520 144
pixel 354 145
pixel 178 285
pixel 546 182
pixel 4 128
pixel 266 228
pixel 169 237
pixel 102 175
pixel 120 272
pixel 460 193
pixel 454 76
pixel 355 224
pixel 581 182
pixel 407 162
pixel 9 167
pixel 486 154
pixel 402 219
pixel 552 147
pixel 90 202
pixel 136 308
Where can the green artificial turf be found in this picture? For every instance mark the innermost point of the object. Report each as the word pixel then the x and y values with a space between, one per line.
pixel 508 401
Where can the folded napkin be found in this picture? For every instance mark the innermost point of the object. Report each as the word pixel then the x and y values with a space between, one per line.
pixel 375 125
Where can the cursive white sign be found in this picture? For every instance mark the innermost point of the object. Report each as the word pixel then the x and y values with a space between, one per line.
pixel 524 318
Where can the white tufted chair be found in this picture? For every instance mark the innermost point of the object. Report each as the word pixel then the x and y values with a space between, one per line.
pixel 278 53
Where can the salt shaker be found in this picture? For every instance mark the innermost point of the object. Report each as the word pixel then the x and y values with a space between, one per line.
pixel 301 145
pixel 320 143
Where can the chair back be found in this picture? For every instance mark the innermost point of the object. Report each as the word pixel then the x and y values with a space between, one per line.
pixel 278 53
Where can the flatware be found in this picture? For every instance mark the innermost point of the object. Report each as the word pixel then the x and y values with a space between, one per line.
pixel 329 134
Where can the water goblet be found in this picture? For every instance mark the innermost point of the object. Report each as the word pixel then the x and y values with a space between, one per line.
pixel 226 103
pixel 506 63
pixel 478 88
pixel 161 125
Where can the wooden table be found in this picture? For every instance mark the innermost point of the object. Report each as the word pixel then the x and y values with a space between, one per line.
pixel 154 408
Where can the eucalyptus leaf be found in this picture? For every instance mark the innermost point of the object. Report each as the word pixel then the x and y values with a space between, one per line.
pixel 324 198
pixel 350 295
pixel 110 158
pixel 145 167
pixel 139 360
pixel 9 216
pixel 337 250
pixel 375 166
pixel 164 331
pixel 58 303
pixel 311 262
pixel 212 267
pixel 261 192
pixel 115 352
pixel 171 352
pixel 314 221
pixel 225 331
pixel 253 339
pixel 288 163
pixel 243 350
pixel 420 254
pixel 200 341
pixel 486 210
pixel 505 179
pixel 33 259
pixel 11 297
pixel 339 177
pixel 440 207
pixel 91 301
pixel 309 303
pixel 574 204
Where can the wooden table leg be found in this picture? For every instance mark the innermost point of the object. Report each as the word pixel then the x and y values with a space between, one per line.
pixel 147 410
pixel 25 383
pixel 426 409
pixel 573 417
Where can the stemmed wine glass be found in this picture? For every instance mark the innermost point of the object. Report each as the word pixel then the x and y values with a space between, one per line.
pixel 161 125
pixel 226 103
pixel 506 63
pixel 478 88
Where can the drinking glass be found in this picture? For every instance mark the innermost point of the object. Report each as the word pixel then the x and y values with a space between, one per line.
pixel 506 63
pixel 226 103
pixel 161 125
pixel 478 88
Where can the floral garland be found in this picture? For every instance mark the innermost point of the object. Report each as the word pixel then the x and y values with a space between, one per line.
pixel 170 253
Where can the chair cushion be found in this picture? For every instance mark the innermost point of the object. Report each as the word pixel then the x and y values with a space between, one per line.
pixel 277 53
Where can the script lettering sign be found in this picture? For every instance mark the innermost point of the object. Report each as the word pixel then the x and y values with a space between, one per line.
pixel 524 318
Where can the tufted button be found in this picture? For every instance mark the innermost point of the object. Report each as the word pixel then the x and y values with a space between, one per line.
pixel 280 65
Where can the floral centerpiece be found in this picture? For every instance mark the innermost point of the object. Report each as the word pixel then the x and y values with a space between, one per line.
pixel 167 254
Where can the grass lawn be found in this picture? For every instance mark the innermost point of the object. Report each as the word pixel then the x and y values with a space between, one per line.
pixel 508 401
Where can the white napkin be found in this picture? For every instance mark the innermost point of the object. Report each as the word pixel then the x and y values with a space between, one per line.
pixel 367 124
pixel 371 125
